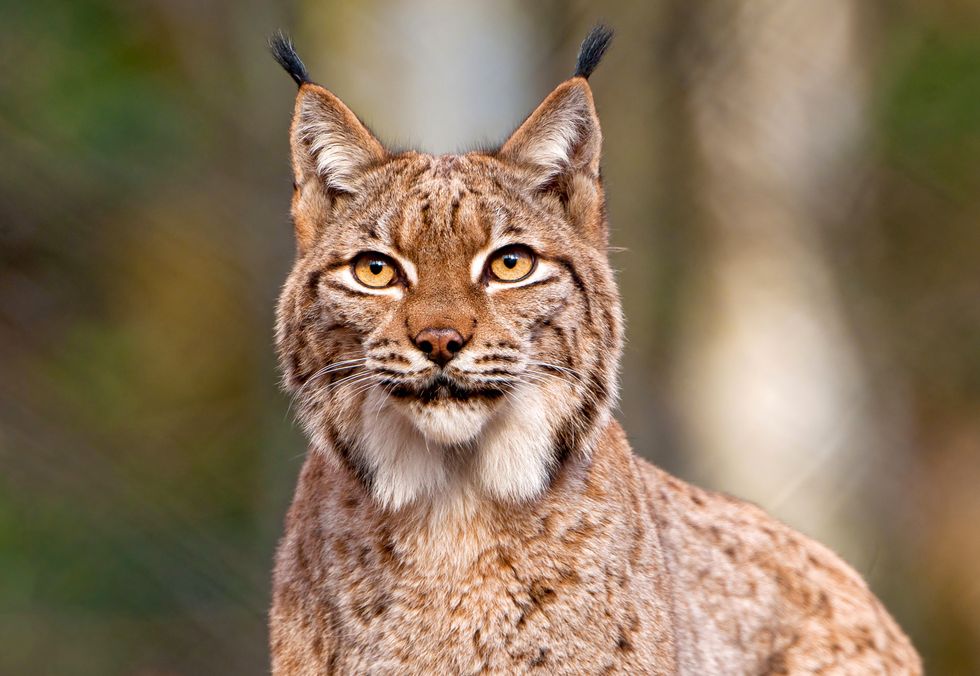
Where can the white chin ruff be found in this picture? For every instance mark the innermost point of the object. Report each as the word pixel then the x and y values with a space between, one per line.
pixel 448 422
pixel 407 446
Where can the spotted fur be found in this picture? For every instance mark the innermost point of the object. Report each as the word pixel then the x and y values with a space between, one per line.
pixel 488 516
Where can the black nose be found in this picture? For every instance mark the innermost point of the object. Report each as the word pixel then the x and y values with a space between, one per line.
pixel 439 345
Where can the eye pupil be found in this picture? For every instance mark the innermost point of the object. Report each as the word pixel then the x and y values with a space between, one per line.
pixel 511 264
pixel 376 267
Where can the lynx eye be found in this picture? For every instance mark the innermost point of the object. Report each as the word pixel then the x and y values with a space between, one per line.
pixel 374 270
pixel 512 263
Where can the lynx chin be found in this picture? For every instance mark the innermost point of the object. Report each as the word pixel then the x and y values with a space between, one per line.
pixel 451 334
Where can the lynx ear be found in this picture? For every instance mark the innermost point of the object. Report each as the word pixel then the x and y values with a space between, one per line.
pixel 329 141
pixel 561 137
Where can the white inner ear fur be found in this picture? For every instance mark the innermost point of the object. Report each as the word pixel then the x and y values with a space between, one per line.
pixel 561 136
pixel 339 144
pixel 554 143
pixel 336 158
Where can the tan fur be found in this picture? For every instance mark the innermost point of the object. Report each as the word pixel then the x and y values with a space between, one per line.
pixel 505 526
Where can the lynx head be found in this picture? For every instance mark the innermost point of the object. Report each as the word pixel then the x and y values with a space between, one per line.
pixel 451 322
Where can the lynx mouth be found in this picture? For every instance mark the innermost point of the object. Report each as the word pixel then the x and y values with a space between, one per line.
pixel 442 388
pixel 446 410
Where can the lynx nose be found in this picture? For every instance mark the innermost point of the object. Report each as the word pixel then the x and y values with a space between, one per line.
pixel 440 345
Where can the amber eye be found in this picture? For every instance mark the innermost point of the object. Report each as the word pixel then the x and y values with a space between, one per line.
pixel 512 263
pixel 374 270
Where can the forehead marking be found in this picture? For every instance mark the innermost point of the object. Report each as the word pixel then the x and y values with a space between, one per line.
pixel 444 165
pixel 426 209
pixel 454 214
pixel 421 168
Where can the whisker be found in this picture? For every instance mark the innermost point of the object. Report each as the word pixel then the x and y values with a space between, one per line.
pixel 371 382
pixel 330 368
pixel 337 366
pixel 584 388
pixel 384 399
pixel 352 379
pixel 556 367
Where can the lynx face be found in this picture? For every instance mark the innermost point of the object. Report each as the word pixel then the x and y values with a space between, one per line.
pixel 451 324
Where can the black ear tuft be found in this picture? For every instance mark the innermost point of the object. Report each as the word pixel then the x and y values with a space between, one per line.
pixel 593 47
pixel 286 56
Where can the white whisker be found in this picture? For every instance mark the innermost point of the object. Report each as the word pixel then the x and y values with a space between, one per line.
pixel 330 368
pixel 563 369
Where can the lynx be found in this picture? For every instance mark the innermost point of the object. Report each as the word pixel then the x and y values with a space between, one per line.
pixel 451 334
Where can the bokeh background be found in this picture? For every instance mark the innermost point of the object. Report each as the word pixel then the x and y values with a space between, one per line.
pixel 794 191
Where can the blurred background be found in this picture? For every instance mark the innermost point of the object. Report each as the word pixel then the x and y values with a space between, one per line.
pixel 794 192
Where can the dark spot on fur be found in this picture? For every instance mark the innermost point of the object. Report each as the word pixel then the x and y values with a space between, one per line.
pixel 417 174
pixel 538 596
pixel 301 559
pixel 512 229
pixel 495 357
pixel 380 606
pixel 496 372
pixel 349 457
pixel 776 664
pixel 454 213
pixel 824 608
pixel 339 546
pixel 569 577
pixel 363 610
pixel 579 286
pixel 389 555
pixel 567 438
pixel 395 358
pixel 313 282
pixel 579 533
pixel 388 372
